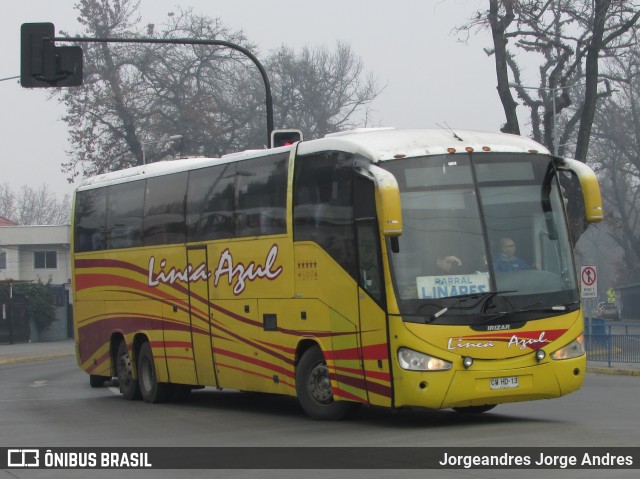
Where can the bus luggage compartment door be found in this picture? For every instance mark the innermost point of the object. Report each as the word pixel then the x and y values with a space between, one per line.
pixel 200 321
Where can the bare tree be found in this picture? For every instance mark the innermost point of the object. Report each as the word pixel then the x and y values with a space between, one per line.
pixel 616 156
pixel 320 91
pixel 137 95
pixel 30 206
pixel 568 38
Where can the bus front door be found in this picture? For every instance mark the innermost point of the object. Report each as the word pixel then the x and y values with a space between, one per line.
pixel 373 319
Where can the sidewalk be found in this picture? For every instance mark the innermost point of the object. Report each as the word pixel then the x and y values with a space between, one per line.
pixel 27 352
pixel 620 369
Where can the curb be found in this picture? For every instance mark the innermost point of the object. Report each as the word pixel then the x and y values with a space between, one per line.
pixel 614 371
pixel 28 359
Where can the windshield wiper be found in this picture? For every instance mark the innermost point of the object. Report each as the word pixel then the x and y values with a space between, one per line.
pixel 435 316
pixel 482 298
pixel 430 318
pixel 525 309
pixel 502 314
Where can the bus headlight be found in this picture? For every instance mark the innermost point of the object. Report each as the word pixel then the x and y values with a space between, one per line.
pixel 572 350
pixel 415 361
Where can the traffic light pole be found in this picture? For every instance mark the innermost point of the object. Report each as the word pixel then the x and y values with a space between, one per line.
pixel 188 41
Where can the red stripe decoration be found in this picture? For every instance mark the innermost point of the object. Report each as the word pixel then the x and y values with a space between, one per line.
pixel 360 383
pixel 341 393
pixel 255 362
pixel 253 373
pixel 99 362
pixel 257 346
pixel 177 344
pixel 184 358
pixel 357 383
pixel 95 280
pixel 378 375
pixel 375 351
pixel 343 354
pixel 290 351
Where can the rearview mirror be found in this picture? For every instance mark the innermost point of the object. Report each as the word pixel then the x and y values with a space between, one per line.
pixel 589 185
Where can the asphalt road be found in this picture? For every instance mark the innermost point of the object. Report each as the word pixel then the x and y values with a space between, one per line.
pixel 50 404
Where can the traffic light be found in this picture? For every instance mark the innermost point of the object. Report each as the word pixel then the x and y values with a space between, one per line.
pixel 285 137
pixel 44 65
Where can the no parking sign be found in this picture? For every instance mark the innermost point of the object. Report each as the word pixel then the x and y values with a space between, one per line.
pixel 589 282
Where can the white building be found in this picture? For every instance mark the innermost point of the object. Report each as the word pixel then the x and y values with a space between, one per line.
pixel 32 253
pixel 29 253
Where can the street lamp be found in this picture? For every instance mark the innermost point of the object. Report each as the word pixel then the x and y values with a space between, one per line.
pixel 171 139
pixel 553 90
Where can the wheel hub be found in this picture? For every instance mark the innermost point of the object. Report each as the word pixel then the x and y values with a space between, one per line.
pixel 124 373
pixel 320 384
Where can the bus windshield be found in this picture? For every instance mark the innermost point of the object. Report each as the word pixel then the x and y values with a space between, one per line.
pixel 485 237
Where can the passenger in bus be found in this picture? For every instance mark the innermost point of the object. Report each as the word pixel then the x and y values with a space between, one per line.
pixel 506 259
pixel 448 264
pixel 436 265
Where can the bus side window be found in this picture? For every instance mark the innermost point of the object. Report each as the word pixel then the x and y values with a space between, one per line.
pixel 370 276
pixel 262 196
pixel 164 209
pixel 210 203
pixel 90 220
pixel 323 208
pixel 124 214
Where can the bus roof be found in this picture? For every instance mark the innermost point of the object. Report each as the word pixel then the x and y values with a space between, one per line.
pixel 377 144
pixel 381 144
pixel 166 167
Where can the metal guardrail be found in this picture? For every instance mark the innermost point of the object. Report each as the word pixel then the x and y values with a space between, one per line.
pixel 612 342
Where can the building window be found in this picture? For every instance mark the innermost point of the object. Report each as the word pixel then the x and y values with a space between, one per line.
pixel 45 260
pixel 3 260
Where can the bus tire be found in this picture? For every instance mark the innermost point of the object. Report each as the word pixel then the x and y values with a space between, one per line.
pixel 313 387
pixel 96 381
pixel 128 384
pixel 474 409
pixel 151 390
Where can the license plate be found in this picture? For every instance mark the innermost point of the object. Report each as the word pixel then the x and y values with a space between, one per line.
pixel 504 383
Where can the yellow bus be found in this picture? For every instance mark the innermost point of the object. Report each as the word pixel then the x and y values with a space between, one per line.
pixel 386 267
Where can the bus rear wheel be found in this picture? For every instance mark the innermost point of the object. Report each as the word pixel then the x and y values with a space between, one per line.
pixel 313 386
pixel 152 391
pixel 128 385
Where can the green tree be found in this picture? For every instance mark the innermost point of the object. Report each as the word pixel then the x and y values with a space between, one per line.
pixel 38 299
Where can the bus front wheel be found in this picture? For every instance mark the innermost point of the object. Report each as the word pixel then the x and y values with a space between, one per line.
pixel 152 391
pixel 313 386
pixel 128 385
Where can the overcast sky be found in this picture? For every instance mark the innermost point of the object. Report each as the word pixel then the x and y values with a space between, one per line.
pixel 430 76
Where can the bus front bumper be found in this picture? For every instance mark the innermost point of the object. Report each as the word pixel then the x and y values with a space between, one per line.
pixel 478 385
